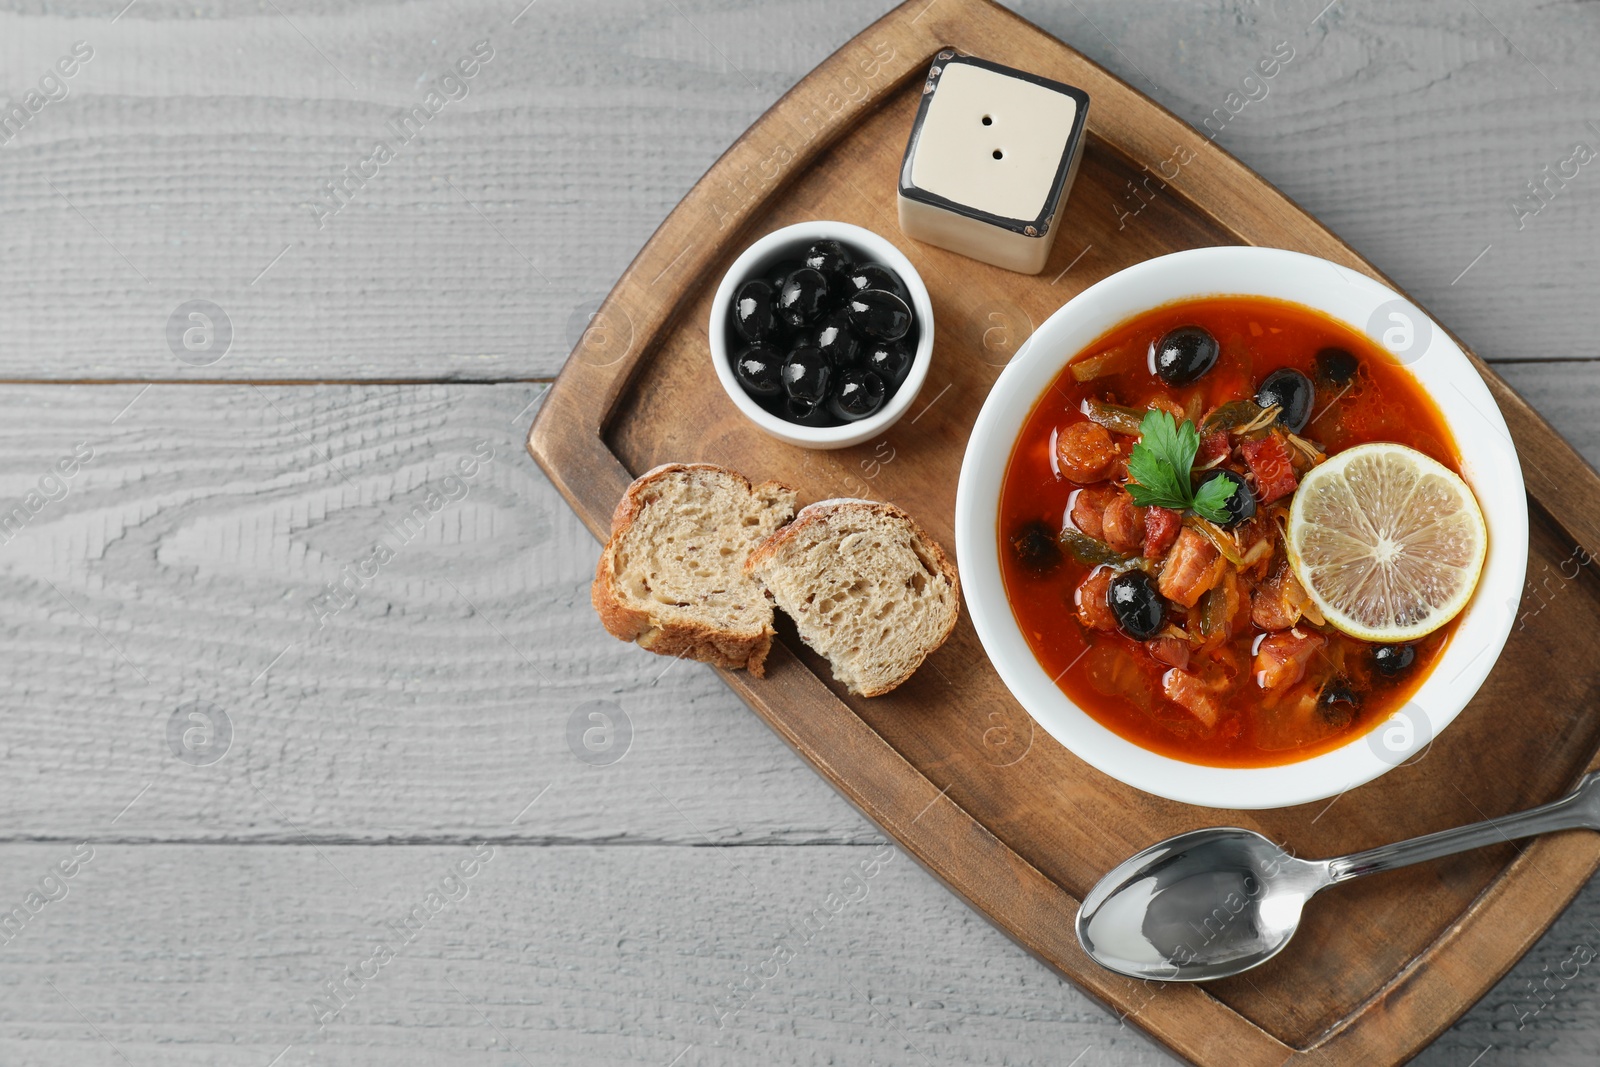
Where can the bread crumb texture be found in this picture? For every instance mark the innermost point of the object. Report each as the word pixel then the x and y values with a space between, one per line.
pixel 866 587
pixel 671 577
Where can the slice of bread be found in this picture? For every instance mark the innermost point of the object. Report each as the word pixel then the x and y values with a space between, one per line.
pixel 866 587
pixel 671 577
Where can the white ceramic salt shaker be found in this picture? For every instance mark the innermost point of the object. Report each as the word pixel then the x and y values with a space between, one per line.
pixel 992 155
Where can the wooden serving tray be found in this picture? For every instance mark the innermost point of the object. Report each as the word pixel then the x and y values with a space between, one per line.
pixel 949 765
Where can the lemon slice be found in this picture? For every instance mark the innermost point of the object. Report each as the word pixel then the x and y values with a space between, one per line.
pixel 1388 542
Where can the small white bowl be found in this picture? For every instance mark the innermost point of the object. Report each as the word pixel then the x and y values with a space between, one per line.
pixel 755 262
pixel 1489 464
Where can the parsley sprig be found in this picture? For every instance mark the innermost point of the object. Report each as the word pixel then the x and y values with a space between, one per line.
pixel 1160 466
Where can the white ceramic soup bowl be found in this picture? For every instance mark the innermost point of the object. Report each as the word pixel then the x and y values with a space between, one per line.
pixel 1489 464
pixel 756 261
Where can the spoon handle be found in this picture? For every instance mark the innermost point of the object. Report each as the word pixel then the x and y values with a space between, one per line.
pixel 1579 809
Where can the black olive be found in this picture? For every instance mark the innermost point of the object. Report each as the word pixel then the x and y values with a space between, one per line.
pixel 834 339
pixel 879 315
pixel 807 375
pixel 1336 366
pixel 858 394
pixel 1338 703
pixel 1338 691
pixel 875 276
pixel 1036 547
pixel 1241 505
pixel 754 318
pixel 830 258
pixel 802 297
pixel 805 413
pixel 889 360
pixel 759 370
pixel 1393 659
pixel 1183 355
pixel 1292 393
pixel 1139 609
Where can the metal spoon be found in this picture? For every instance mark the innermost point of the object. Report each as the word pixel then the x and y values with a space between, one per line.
pixel 1214 903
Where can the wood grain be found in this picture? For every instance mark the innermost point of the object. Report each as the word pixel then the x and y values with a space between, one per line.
pixel 1023 840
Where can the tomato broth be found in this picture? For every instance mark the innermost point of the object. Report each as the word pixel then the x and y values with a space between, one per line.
pixel 1348 686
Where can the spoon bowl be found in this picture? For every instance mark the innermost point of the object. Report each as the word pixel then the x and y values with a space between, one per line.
pixel 1198 906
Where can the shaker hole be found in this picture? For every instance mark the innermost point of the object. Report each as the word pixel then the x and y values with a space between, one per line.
pixel 988 120
pixel 999 154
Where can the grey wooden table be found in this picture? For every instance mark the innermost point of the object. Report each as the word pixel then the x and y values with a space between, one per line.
pixel 274 795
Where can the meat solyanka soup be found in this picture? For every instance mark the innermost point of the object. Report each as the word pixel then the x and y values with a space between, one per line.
pixel 1144 522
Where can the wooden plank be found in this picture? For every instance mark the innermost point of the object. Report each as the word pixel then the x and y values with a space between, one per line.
pixel 200 172
pixel 197 540
pixel 183 954
pixel 568 955
pixel 477 252
pixel 189 561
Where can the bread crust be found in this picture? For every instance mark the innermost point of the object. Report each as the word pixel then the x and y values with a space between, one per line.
pixel 766 553
pixel 697 641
